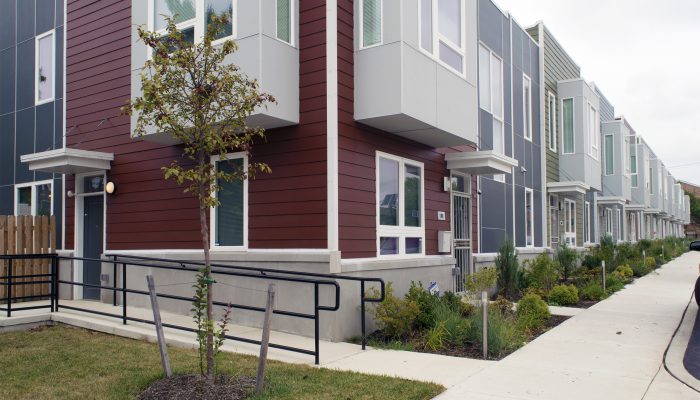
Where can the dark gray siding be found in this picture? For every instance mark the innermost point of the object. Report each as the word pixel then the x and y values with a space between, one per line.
pixel 607 110
pixel 24 127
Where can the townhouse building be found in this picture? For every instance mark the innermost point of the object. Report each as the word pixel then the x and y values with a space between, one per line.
pixel 31 104
pixel 641 190
pixel 616 135
pixel 510 204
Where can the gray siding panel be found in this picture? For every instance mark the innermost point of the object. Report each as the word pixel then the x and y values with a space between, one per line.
pixel 7 149
pixel 25 74
pixel 7 80
pixel 24 144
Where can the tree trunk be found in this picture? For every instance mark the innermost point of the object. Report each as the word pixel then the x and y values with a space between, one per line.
pixel 210 298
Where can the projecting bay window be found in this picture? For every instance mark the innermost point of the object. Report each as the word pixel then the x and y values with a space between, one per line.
pixel 527 107
pixel 529 218
pixel 193 18
pixel 370 23
pixel 35 199
pixel 285 21
pixel 609 155
pixel 400 205
pixel 229 220
pixel 552 122
pixel 567 106
pixel 593 131
pixel 442 32
pixel 45 68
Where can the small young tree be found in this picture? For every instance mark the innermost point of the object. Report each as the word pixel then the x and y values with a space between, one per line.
pixel 508 270
pixel 189 93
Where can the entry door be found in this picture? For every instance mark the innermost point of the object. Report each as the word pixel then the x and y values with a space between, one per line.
pixel 462 245
pixel 93 207
pixel 570 222
pixel 554 221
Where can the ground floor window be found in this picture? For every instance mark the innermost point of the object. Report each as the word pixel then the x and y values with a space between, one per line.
pixel 620 223
pixel 553 220
pixel 570 222
pixel 608 222
pixel 229 220
pixel 529 218
pixel 587 222
pixel 34 198
pixel 400 205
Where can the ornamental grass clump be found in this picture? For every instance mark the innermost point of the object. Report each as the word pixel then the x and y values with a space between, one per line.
pixel 592 291
pixel 566 259
pixel 509 275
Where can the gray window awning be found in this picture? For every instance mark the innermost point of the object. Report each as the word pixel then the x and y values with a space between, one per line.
pixel 68 161
pixel 486 162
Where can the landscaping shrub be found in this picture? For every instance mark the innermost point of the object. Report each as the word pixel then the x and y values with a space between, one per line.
pixel 613 283
pixel 541 274
pixel 564 295
pixel 435 337
pixel 532 312
pixel 456 327
pixel 426 303
pixel 592 291
pixel 394 316
pixel 625 252
pixel 566 259
pixel 484 279
pixel 640 268
pixel 508 270
pixel 607 252
pixel 624 273
pixel 504 336
pixel 650 263
pixel 502 304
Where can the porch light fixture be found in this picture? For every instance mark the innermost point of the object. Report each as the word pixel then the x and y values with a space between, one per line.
pixel 110 188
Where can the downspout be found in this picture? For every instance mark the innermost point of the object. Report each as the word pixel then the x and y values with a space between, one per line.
pixel 332 133
pixel 543 141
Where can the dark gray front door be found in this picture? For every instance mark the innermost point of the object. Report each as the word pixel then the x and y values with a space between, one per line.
pixel 92 244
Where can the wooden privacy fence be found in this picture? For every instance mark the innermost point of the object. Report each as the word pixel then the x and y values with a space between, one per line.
pixel 26 235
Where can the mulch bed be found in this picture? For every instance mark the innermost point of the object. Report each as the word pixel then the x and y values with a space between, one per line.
pixel 474 350
pixel 195 387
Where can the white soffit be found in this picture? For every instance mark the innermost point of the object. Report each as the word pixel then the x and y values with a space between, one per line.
pixel 568 187
pixel 487 162
pixel 68 161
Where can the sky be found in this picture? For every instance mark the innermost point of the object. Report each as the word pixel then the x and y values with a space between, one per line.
pixel 645 57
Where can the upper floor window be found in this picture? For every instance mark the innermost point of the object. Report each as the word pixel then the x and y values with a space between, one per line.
pixel 193 18
pixel 34 198
pixel 371 22
pixel 442 31
pixel 45 69
pixel 229 220
pixel 651 181
pixel 552 122
pixel 285 13
pixel 527 107
pixel 491 93
pixel 609 155
pixel 593 130
pixel 633 163
pixel 400 206
pixel 568 126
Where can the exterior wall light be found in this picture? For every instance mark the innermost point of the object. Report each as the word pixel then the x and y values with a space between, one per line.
pixel 110 188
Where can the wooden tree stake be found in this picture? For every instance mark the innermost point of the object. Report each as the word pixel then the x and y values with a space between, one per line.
pixel 159 327
pixel 260 380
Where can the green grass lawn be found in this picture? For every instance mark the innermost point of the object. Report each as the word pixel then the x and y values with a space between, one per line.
pixel 67 363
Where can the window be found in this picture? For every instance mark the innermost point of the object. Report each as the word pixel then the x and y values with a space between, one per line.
pixel 442 31
pixel 371 22
pixel 633 163
pixel 608 222
pixel 45 67
pixel 34 198
pixel 192 17
pixel 553 219
pixel 229 226
pixel 529 218
pixel 620 224
pixel 552 121
pixel 570 222
pixel 609 155
pixel 587 222
pixel 527 107
pixel 491 93
pixel 285 20
pixel 568 126
pixel 593 130
pixel 399 206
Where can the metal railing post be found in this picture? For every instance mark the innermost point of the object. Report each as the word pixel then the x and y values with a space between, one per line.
pixel 316 326
pixel 114 281
pixel 362 307
pixel 52 288
pixel 124 293
pixel 9 288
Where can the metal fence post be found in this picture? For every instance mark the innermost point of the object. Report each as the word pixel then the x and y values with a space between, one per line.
pixel 53 283
pixel 114 281
pixel 485 322
pixel 362 307
pixel 9 288
pixel 316 326
pixel 124 293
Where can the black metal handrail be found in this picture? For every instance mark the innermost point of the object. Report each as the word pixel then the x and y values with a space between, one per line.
pixel 363 281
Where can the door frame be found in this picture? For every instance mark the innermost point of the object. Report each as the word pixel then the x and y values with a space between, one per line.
pixel 78 240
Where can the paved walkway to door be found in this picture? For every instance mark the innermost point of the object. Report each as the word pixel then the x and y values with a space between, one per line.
pixel 613 350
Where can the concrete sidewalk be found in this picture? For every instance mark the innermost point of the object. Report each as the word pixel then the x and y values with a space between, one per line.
pixel 612 350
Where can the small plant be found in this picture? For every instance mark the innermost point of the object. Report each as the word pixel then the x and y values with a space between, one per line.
pixel 613 283
pixel 508 270
pixel 592 291
pixel 482 280
pixel 564 295
pixel 532 312
pixel 650 263
pixel 624 273
pixel 456 327
pixel 504 336
pixel 435 337
pixel 542 274
pixel 394 316
pixel 566 258
pixel 502 304
pixel 426 304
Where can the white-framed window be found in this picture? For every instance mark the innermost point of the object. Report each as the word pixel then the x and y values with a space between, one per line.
pixel 491 93
pixel 625 155
pixel 44 67
pixel 620 224
pixel 593 130
pixel 192 17
pixel 608 222
pixel 400 207
pixel 633 163
pixel 229 220
pixel 567 126
pixel 553 219
pixel 285 21
pixel 587 222
pixel 442 32
pixel 34 198
pixel 371 17
pixel 527 107
pixel 570 221
pixel 552 121
pixel 609 155
pixel 529 218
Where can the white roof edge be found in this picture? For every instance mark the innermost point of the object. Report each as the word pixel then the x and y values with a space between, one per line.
pixel 67 152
